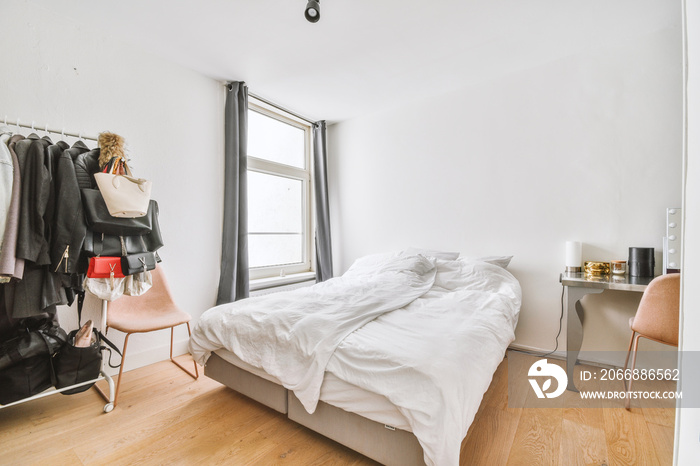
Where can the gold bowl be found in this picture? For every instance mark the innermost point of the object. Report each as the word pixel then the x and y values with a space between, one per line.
pixel 596 268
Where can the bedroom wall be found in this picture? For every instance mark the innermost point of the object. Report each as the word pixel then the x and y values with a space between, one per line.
pixel 587 148
pixel 68 75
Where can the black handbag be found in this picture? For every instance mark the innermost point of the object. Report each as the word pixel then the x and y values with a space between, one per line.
pixel 24 379
pixel 99 220
pixel 137 263
pixel 99 244
pixel 36 337
pixel 26 359
pixel 74 365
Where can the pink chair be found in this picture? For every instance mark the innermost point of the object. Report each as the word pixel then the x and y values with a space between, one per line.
pixel 154 310
pixel 656 318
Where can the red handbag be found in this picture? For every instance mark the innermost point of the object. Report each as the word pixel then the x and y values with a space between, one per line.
pixel 105 267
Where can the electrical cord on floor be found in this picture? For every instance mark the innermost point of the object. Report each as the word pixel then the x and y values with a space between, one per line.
pixel 556 340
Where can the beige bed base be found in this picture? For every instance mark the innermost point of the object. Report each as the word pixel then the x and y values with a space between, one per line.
pixel 372 439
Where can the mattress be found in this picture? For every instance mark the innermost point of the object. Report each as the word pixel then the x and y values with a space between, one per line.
pixel 338 393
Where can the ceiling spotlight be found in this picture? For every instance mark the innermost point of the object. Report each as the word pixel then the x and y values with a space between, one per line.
pixel 313 11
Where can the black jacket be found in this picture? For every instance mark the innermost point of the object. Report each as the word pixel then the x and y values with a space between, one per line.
pixel 86 165
pixel 51 156
pixel 32 244
pixel 40 289
pixel 69 220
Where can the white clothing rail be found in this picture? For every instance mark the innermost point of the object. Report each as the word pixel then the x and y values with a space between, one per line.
pixel 45 128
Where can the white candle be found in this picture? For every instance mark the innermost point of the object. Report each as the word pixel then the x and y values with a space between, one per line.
pixel 573 254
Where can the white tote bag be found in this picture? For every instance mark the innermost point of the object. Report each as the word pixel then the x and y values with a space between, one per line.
pixel 125 195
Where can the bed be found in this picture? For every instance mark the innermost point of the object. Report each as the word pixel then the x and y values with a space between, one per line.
pixel 391 359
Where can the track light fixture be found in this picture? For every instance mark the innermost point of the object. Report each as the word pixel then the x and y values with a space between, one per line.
pixel 313 11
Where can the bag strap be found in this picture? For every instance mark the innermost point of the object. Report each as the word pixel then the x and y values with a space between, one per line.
pixel 114 164
pixel 113 347
pixel 51 368
pixel 108 167
pixel 81 301
pixel 98 239
pixel 127 170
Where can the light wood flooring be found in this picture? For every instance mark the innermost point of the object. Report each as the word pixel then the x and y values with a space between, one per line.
pixel 164 417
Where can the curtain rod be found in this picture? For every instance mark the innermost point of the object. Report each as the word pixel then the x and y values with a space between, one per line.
pixel 281 108
pixel 46 129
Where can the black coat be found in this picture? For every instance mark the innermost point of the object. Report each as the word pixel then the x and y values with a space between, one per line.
pixel 86 165
pixel 69 222
pixel 51 156
pixel 32 244
pixel 51 224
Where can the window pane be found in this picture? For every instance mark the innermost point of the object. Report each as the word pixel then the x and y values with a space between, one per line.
pixel 274 204
pixel 266 250
pixel 274 140
pixel 275 220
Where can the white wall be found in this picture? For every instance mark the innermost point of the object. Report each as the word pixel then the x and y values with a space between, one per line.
pixel 688 418
pixel 69 75
pixel 584 148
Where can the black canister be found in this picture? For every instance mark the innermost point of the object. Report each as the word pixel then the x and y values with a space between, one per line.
pixel 641 262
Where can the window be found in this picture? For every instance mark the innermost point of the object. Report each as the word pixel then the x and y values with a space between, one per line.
pixel 279 192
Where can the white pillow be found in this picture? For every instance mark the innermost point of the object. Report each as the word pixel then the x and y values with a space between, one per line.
pixel 372 260
pixel 501 261
pixel 449 256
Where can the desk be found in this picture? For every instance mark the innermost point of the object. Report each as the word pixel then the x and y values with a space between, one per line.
pixel 576 286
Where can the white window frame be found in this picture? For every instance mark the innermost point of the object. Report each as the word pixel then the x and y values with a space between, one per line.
pixel 263 277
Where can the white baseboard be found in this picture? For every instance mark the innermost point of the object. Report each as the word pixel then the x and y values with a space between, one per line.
pixel 598 358
pixel 559 354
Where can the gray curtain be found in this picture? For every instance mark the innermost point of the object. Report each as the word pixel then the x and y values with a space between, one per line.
pixel 233 281
pixel 324 262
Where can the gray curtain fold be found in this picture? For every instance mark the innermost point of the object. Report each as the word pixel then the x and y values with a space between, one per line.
pixel 324 262
pixel 233 281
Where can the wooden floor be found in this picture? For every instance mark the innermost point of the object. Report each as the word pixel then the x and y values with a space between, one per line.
pixel 164 417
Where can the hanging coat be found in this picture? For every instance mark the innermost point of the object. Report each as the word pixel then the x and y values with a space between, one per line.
pixel 36 183
pixel 40 289
pixel 69 221
pixel 6 180
pixel 10 265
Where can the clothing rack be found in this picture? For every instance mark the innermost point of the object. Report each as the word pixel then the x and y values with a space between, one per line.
pixel 46 129
pixel 103 319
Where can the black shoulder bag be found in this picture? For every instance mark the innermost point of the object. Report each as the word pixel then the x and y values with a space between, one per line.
pixel 25 361
pixel 74 365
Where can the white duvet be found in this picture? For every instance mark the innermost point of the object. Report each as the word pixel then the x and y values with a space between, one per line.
pixel 425 333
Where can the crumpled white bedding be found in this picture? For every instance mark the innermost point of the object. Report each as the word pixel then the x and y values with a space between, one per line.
pixel 426 333
pixel 293 335
pixel 434 359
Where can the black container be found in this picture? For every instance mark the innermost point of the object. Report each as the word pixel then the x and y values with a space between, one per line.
pixel 641 262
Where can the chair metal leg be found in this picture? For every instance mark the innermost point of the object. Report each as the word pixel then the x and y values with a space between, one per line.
pixel 634 361
pixel 629 350
pixel 194 375
pixel 121 369
pixel 119 379
pixel 172 335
